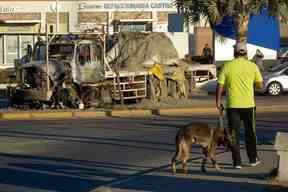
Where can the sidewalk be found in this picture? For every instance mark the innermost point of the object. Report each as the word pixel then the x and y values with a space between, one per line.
pixel 248 179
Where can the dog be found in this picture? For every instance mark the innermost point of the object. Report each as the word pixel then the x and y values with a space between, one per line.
pixel 204 135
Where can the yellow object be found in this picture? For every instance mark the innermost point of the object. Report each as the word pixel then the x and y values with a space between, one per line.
pixel 178 74
pixel 179 77
pixel 156 70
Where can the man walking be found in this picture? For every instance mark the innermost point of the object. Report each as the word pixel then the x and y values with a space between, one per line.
pixel 239 77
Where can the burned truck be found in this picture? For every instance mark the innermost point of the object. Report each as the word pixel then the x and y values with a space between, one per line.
pixel 75 74
pixel 72 75
pixel 93 70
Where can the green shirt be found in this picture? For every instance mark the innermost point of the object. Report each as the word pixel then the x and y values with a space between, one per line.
pixel 239 76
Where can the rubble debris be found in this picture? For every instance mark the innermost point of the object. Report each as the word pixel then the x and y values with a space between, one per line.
pixel 7 76
pixel 134 50
pixel 140 51
pixel 140 64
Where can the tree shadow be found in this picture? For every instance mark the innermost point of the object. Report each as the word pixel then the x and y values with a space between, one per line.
pixel 76 162
pixel 60 174
pixel 46 181
pixel 171 184
pixel 129 143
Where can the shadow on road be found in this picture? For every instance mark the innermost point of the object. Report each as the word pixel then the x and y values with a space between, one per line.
pixel 172 184
pixel 130 143
pixel 59 174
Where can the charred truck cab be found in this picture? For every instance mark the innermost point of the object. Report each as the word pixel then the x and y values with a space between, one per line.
pixel 76 61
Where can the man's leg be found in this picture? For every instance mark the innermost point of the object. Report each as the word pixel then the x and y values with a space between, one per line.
pixel 234 122
pixel 248 117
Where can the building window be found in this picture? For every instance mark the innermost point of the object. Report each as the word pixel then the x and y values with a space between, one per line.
pixel 51 28
pixel 39 52
pixel 84 55
pixel 12 51
pixel 1 50
pixel 15 47
pixel 134 26
pixel 26 47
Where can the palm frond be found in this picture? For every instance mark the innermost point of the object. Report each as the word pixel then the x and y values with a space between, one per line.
pixel 219 38
pixel 214 10
pixel 283 13
pixel 255 6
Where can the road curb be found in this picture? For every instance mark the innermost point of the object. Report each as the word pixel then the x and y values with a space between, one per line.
pixel 173 111
pixel 213 110
pixel 51 115
pixel 131 113
pixel 272 108
pixel 48 115
pixel 89 114
pixel 16 116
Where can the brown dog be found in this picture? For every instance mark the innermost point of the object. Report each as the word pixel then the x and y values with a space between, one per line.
pixel 204 135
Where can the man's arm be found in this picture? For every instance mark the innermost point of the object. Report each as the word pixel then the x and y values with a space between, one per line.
pixel 220 86
pixel 258 84
pixel 219 93
pixel 258 81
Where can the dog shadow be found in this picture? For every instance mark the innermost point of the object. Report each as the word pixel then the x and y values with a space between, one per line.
pixel 227 170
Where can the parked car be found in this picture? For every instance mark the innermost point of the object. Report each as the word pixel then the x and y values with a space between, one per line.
pixel 275 81
pixel 282 54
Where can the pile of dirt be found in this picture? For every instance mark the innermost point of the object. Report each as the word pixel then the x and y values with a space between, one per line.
pixel 133 51
pixel 7 75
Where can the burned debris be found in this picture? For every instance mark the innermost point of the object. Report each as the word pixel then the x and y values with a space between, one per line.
pixel 92 70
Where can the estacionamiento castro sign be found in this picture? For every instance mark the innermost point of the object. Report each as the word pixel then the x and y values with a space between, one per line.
pixel 126 5
pixel 7 9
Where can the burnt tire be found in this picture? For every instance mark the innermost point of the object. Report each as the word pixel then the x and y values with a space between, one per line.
pixel 274 88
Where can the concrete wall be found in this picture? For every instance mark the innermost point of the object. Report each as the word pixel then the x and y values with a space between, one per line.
pixel 202 35
pixel 91 11
pixel 181 42
pixel 224 50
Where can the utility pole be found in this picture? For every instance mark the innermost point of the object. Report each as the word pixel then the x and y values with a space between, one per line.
pixel 214 46
pixel 57 16
pixel 47 62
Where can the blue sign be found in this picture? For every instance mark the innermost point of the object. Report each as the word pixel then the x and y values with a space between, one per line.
pixel 263 30
pixel 175 23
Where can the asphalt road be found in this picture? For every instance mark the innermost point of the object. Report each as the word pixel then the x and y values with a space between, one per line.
pixel 122 153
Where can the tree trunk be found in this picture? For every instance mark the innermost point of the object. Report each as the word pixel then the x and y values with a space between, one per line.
pixel 241 29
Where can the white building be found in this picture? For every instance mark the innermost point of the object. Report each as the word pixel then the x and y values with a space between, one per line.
pixel 22 20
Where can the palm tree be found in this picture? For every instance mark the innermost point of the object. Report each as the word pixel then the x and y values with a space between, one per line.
pixel 214 11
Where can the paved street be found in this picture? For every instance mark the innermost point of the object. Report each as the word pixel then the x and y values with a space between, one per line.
pixel 120 154
pixel 93 92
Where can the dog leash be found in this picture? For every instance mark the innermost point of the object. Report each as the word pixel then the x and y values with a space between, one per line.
pixel 221 116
